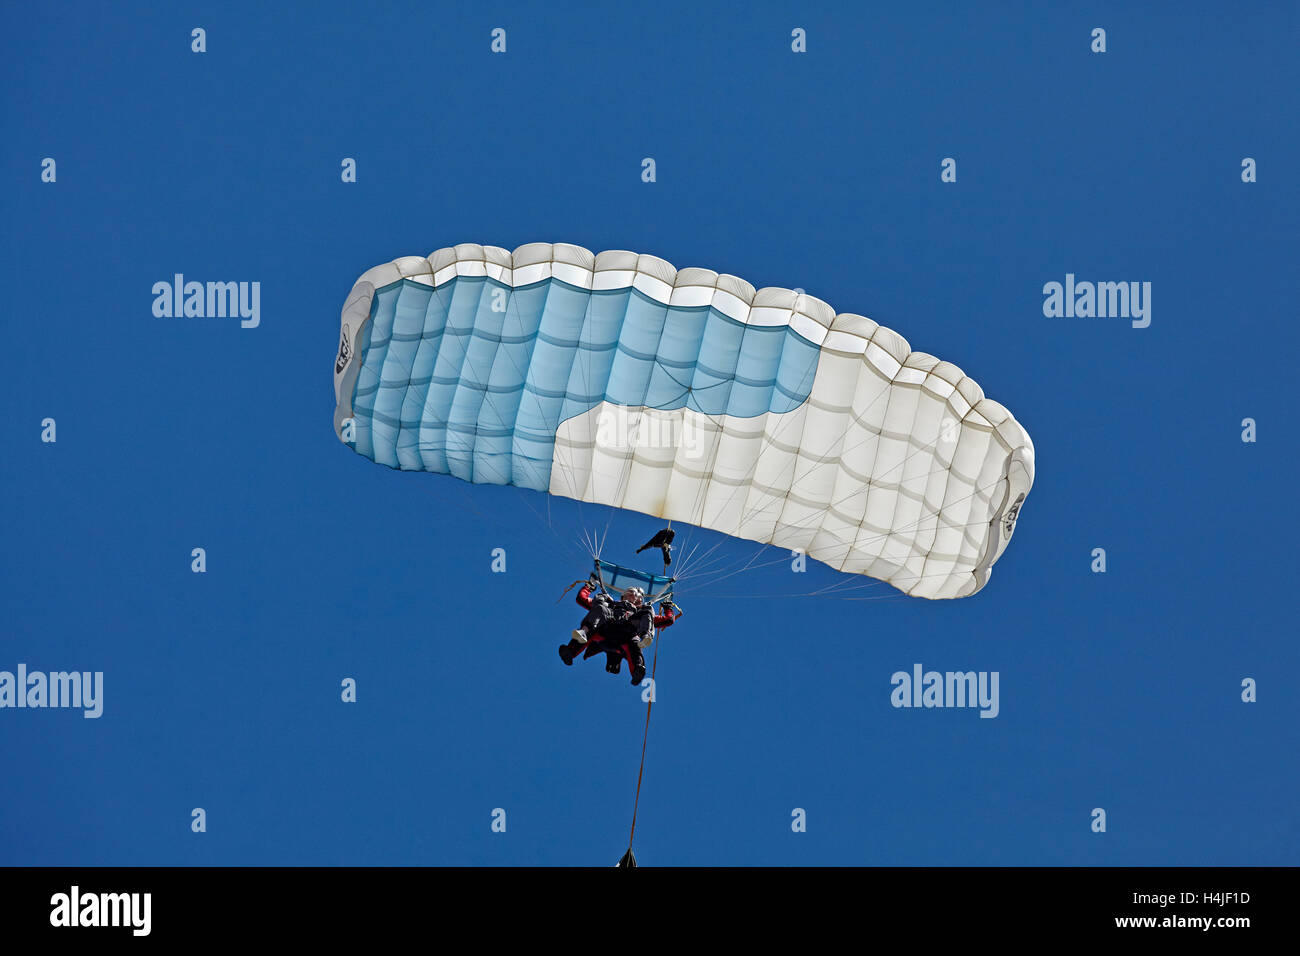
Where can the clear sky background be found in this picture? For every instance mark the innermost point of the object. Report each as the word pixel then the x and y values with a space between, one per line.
pixel 818 170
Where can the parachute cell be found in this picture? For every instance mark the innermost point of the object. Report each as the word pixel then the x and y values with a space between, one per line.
pixel 687 395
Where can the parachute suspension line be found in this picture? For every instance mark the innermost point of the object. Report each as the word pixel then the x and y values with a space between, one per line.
pixel 695 563
pixel 838 589
pixel 721 574
pixel 685 560
pixel 590 541
pixel 715 576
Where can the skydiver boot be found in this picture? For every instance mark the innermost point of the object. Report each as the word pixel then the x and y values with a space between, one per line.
pixel 566 655
pixel 613 663
pixel 638 673
pixel 580 635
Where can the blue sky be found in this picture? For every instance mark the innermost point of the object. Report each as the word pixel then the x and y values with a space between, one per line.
pixel 820 171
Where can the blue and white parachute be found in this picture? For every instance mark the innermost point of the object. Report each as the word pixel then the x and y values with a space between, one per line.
pixel 688 395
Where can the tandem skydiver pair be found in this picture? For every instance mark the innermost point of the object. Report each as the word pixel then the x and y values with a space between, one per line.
pixel 623 627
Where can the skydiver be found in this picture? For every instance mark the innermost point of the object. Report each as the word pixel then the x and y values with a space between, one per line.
pixel 662 540
pixel 621 628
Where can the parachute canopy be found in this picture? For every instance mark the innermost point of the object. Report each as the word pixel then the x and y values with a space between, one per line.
pixel 687 395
